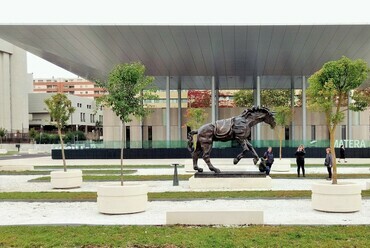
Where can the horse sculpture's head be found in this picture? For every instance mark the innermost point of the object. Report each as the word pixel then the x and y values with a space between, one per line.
pixel 260 114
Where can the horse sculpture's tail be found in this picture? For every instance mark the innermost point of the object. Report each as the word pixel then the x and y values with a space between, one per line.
pixel 190 140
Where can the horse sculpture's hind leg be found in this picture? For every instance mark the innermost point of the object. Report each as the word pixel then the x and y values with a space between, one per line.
pixel 246 147
pixel 207 147
pixel 195 156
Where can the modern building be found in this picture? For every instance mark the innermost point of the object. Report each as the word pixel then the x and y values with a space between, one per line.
pixel 15 84
pixel 205 57
pixel 84 118
pixel 75 86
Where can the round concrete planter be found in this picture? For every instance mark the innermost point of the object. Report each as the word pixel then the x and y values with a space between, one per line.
pixel 282 165
pixel 367 185
pixel 339 198
pixel 126 199
pixel 3 151
pixel 66 180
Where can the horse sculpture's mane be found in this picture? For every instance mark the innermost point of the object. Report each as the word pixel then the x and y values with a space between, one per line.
pixel 253 110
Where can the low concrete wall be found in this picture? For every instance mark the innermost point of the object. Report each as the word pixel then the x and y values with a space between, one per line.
pixel 25 148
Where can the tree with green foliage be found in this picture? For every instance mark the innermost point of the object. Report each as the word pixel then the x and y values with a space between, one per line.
pixel 60 109
pixel 243 98
pixel 98 127
pixel 328 91
pixel 3 132
pixel 275 98
pixel 32 134
pixel 283 117
pixel 269 98
pixel 128 88
pixel 195 118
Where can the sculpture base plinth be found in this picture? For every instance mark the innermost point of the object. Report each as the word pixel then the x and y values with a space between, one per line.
pixel 230 180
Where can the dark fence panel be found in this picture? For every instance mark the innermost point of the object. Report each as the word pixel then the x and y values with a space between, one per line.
pixel 183 153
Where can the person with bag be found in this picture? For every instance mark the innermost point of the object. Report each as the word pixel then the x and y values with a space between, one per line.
pixel 328 162
pixel 300 160
pixel 342 154
pixel 269 157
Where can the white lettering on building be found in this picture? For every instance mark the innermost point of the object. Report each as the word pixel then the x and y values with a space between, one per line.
pixel 350 143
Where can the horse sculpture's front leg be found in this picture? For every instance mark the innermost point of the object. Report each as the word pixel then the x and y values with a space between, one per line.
pixel 246 147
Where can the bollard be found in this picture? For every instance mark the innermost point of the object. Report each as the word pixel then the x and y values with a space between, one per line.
pixel 175 176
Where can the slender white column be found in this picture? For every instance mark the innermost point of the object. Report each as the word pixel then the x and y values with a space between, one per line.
pixel 168 109
pixel 304 121
pixel 292 105
pixel 213 99
pixel 179 114
pixel 349 119
pixel 258 103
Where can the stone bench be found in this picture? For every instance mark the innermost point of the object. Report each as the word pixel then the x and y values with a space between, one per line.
pixel 215 217
pixel 238 180
pixel 16 167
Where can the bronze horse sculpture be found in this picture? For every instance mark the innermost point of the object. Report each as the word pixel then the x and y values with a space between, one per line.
pixel 235 128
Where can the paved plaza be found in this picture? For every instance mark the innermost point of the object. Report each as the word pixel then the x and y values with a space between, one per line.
pixel 276 211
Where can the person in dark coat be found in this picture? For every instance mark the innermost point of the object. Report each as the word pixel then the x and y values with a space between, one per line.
pixel 342 154
pixel 269 158
pixel 300 160
pixel 328 162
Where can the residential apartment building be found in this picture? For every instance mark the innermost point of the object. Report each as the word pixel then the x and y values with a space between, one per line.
pixel 75 86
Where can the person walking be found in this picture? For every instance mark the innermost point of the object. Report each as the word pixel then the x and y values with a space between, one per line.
pixel 328 162
pixel 342 154
pixel 269 157
pixel 300 160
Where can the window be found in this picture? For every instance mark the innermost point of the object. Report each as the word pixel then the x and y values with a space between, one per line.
pixel 344 132
pixel 92 118
pixel 82 117
pixel 128 137
pixel 88 106
pixel 287 131
pixel 150 133
pixel 100 118
pixel 313 132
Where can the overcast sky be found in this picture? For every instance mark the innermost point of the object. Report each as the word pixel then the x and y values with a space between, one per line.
pixel 164 12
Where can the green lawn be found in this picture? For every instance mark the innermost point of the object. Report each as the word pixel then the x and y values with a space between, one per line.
pixel 85 172
pixel 48 167
pixel 91 196
pixel 184 236
pixel 10 153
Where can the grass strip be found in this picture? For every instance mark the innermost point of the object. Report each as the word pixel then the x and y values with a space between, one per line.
pixel 103 178
pixel 184 236
pixel 48 167
pixel 85 172
pixel 152 196
pixel 9 153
